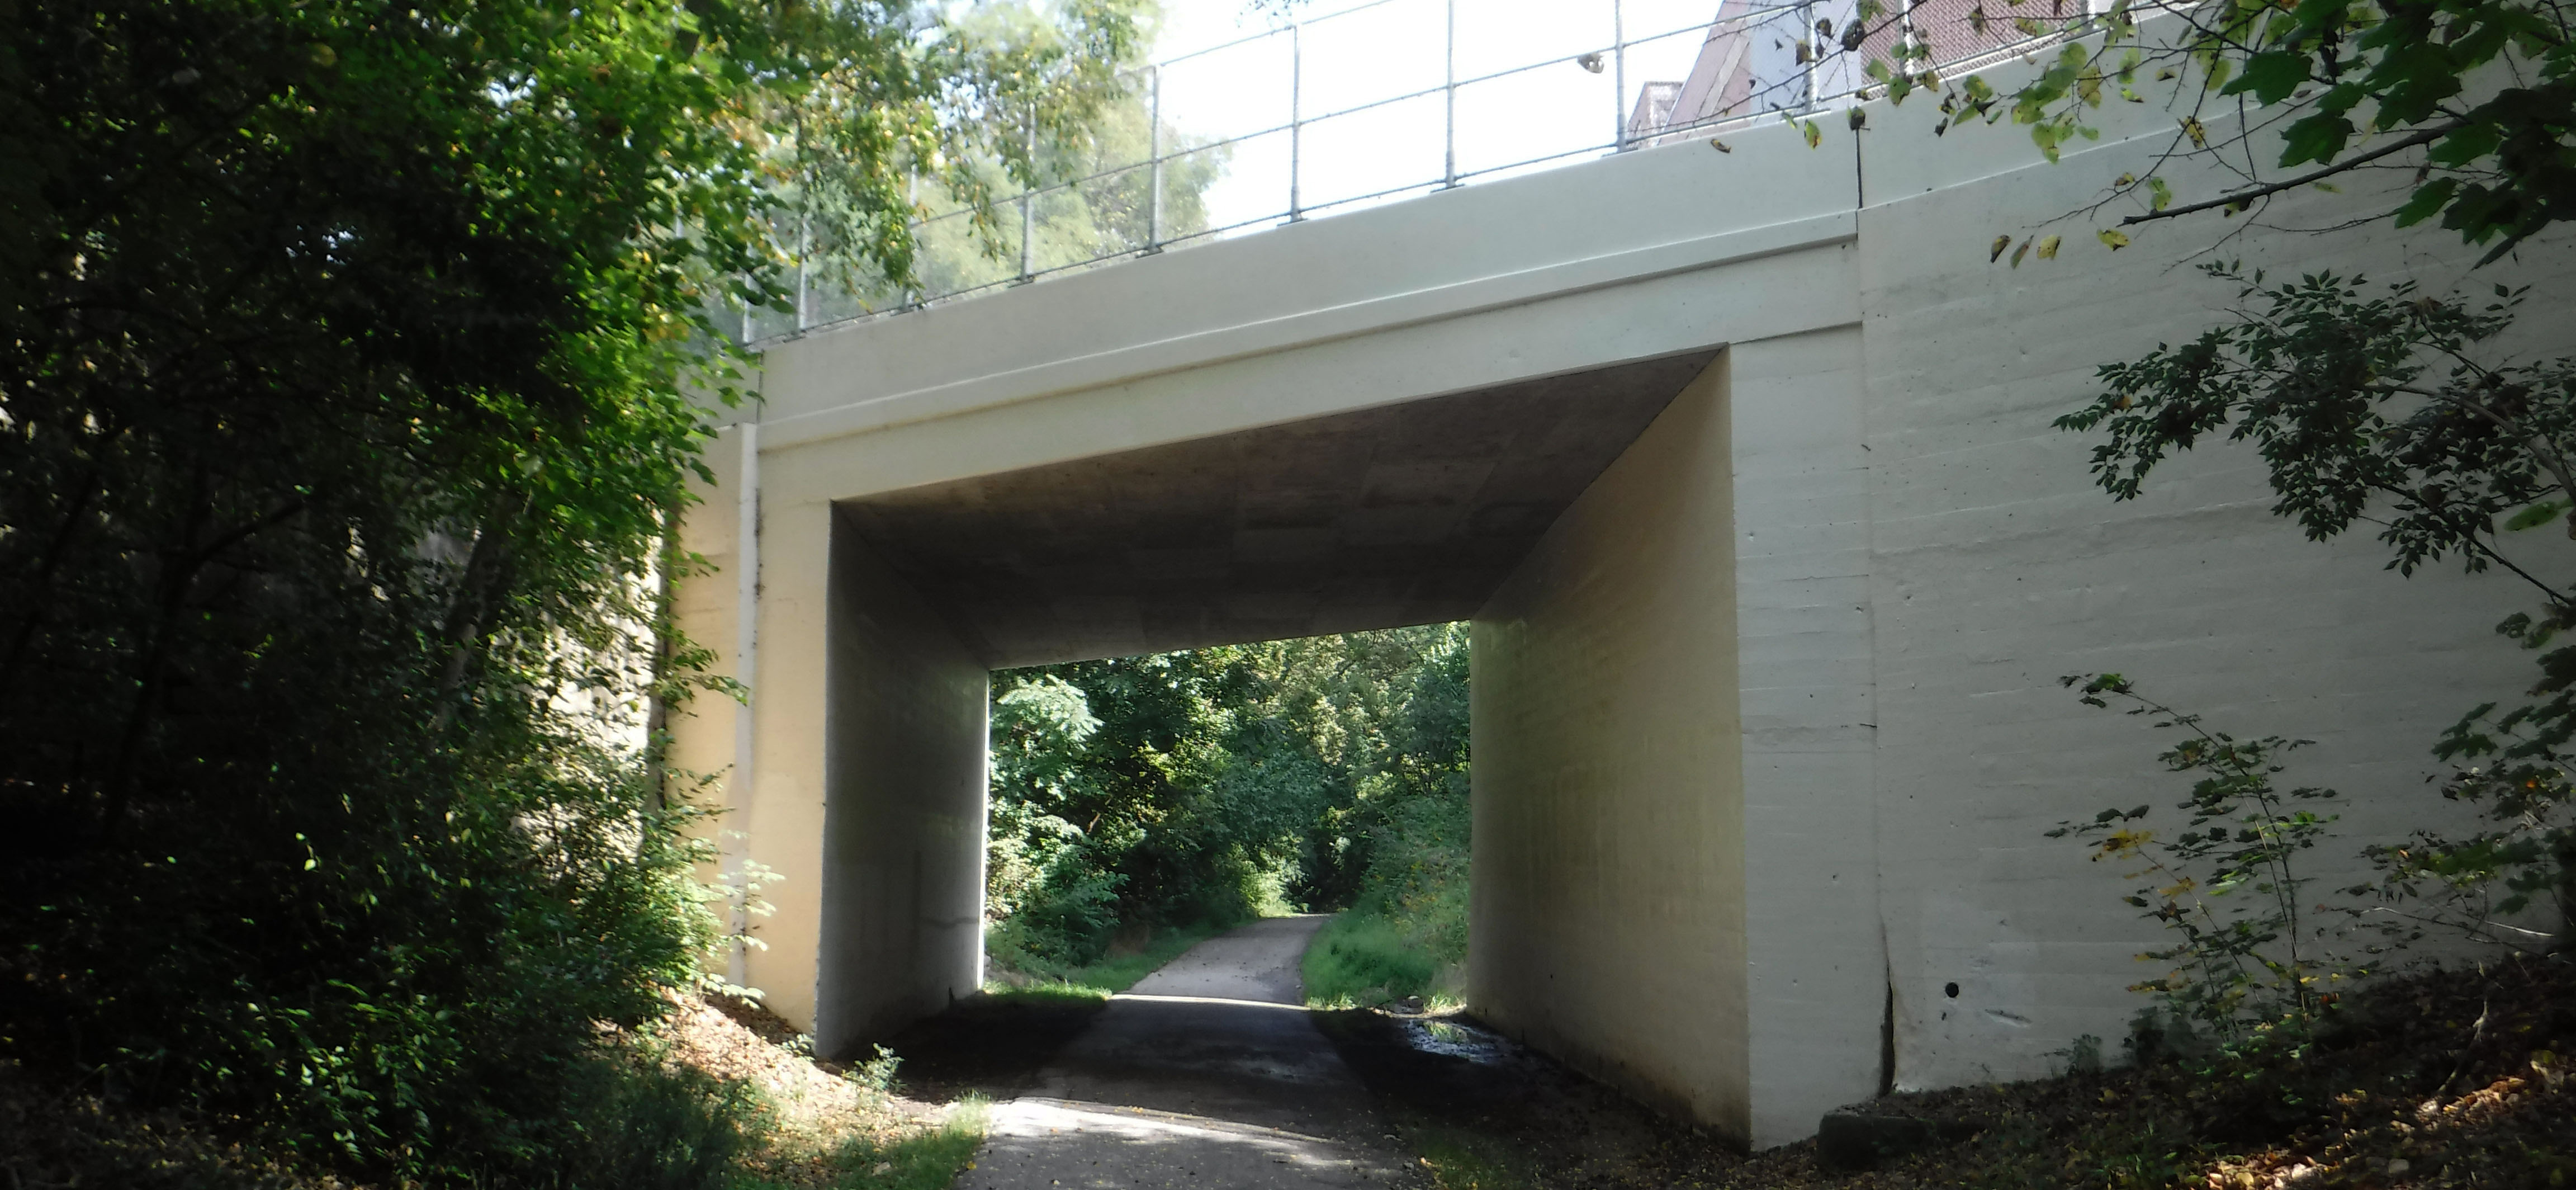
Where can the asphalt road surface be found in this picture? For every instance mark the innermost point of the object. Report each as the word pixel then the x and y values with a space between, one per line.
pixel 1209 1072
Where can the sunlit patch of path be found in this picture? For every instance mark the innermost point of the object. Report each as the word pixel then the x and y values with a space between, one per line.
pixel 1209 1072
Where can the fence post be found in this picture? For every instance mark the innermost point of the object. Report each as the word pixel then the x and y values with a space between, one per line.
pixel 1449 94
pixel 1815 56
pixel 1619 77
pixel 1296 117
pixel 1028 199
pixel 1154 113
pixel 912 294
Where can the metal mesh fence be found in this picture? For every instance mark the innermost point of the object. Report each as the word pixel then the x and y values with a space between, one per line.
pixel 1393 99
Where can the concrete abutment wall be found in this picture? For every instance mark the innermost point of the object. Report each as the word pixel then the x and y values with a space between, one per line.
pixel 849 787
pixel 902 926
pixel 1673 748
pixel 1609 808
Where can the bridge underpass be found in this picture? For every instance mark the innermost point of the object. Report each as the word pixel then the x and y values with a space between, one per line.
pixel 1375 518
pixel 1740 465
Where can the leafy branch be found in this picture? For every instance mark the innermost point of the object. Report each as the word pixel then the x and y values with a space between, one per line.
pixel 2485 89
pixel 2388 409
pixel 2374 408
pixel 2242 963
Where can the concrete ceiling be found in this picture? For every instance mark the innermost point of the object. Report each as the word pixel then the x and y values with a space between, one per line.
pixel 1404 514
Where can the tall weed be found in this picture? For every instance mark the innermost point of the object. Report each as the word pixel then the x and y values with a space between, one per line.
pixel 2247 955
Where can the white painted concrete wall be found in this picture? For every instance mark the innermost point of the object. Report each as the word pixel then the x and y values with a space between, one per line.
pixel 710 733
pixel 1815 958
pixel 1674 761
pixel 902 920
pixel 1609 875
pixel 854 773
pixel 1622 259
pixel 1917 558
pixel 1995 567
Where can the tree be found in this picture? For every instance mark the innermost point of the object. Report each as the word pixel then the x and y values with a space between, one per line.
pixel 2475 98
pixel 1095 201
pixel 1202 786
pixel 341 419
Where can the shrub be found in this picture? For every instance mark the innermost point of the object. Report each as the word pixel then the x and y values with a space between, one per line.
pixel 1362 958
pixel 1065 919
pixel 637 1125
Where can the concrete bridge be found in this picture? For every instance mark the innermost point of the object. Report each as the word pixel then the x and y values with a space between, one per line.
pixel 1739 461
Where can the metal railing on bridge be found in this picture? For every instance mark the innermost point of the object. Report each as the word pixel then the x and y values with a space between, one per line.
pixel 1391 99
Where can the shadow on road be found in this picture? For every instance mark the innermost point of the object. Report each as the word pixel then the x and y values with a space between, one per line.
pixel 989 1045
pixel 1212 1073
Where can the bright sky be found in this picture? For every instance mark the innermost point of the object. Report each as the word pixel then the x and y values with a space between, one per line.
pixel 1395 48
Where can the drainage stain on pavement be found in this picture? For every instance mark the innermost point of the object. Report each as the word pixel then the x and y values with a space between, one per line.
pixel 1209 1072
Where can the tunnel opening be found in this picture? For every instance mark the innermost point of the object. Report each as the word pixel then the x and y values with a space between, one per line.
pixel 1399 516
pixel 1139 803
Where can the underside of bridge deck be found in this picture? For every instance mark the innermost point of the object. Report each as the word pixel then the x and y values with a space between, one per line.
pixel 1404 514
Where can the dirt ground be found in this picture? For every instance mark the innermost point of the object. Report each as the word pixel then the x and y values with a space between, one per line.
pixel 1489 1120
pixel 989 1045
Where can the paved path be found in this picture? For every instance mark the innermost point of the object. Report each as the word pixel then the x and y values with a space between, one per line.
pixel 1207 1073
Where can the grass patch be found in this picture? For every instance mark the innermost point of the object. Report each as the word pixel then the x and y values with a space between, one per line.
pixel 1109 976
pixel 1049 992
pixel 1361 959
pixel 927 1160
pixel 1464 1161
pixel 1114 975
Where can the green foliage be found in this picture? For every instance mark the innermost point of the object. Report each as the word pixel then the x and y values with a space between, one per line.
pixel 882 115
pixel 2388 409
pixel 2527 791
pixel 653 1126
pixel 1406 933
pixel 2478 95
pixel 2346 1104
pixel 2409 66
pixel 341 428
pixel 1073 991
pixel 1095 211
pixel 1461 1160
pixel 1098 979
pixel 2357 403
pixel 1361 958
pixel 1214 785
pixel 1417 871
pixel 2227 884
pixel 928 1161
pixel 877 1073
